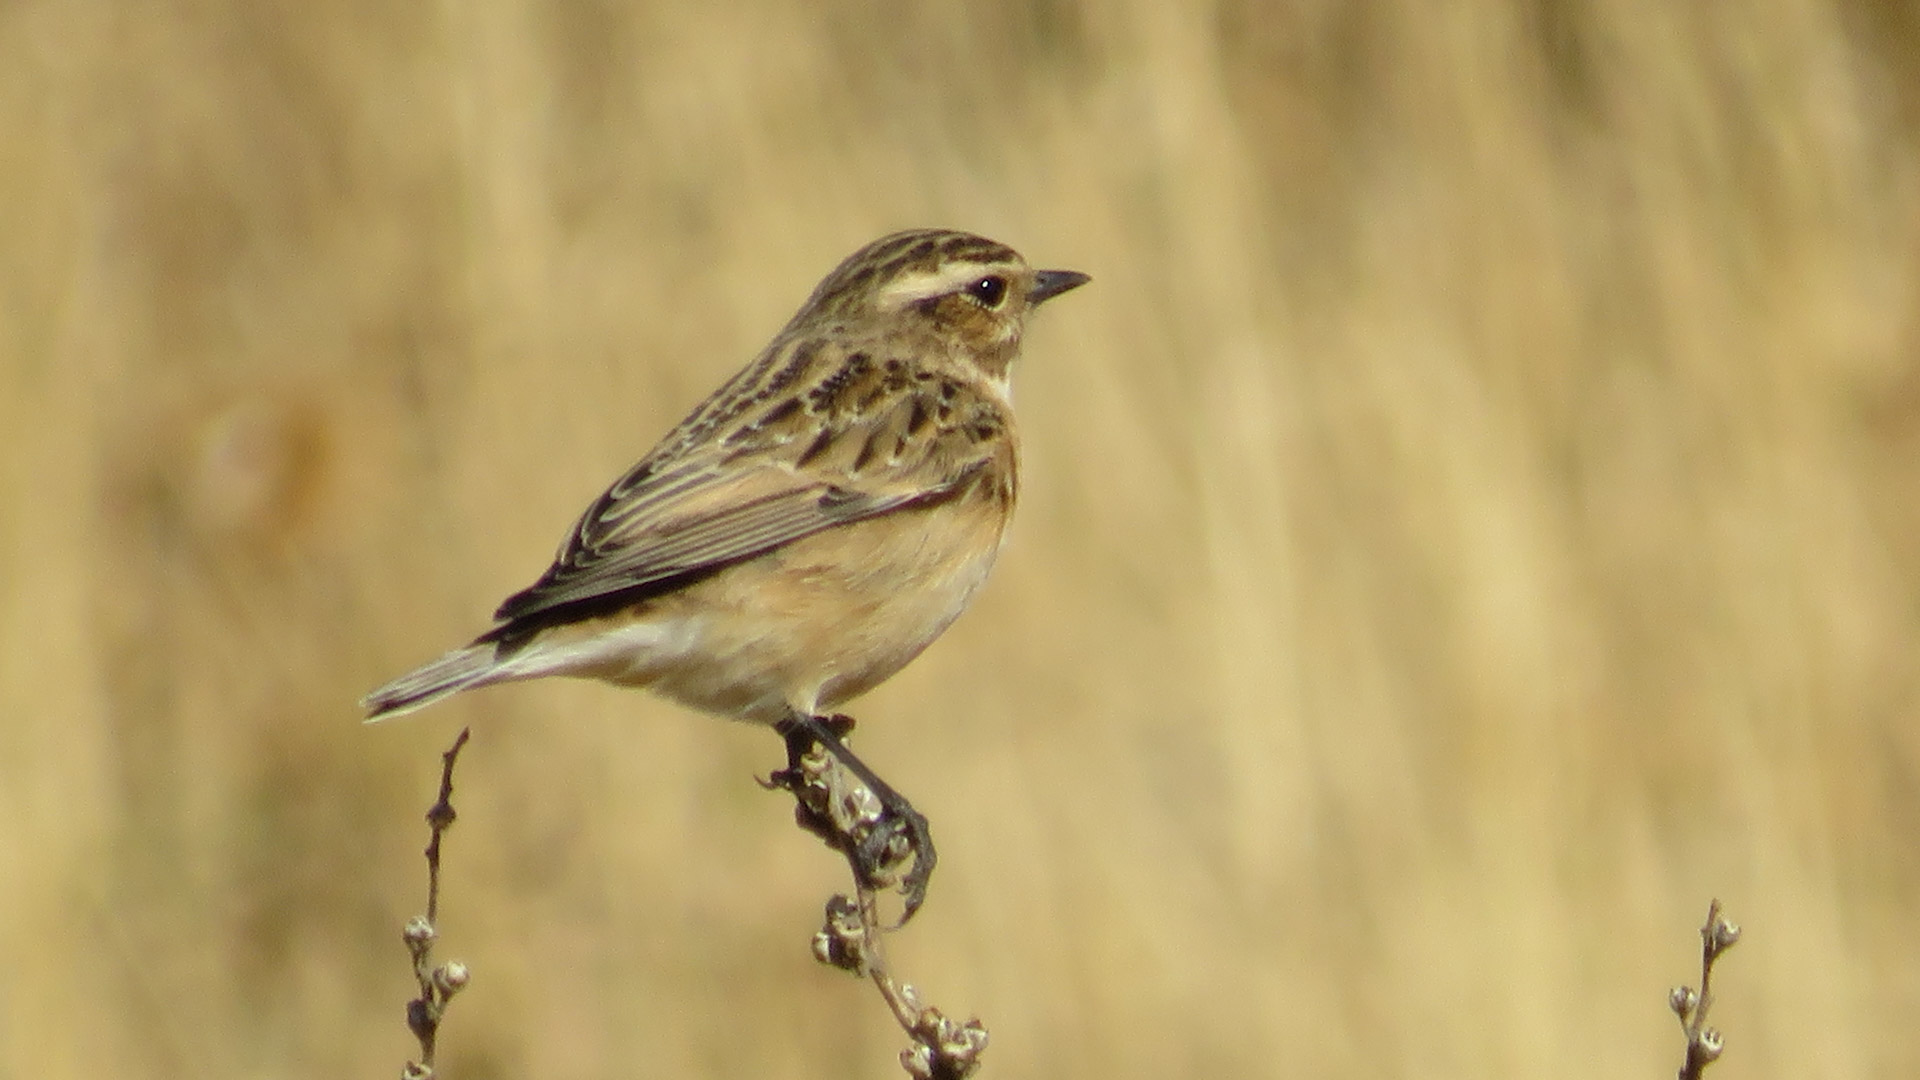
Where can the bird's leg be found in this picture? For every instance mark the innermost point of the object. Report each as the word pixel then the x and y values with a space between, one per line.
pixel 811 808
pixel 870 851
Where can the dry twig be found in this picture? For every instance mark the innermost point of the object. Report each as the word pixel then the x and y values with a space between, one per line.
pixel 437 984
pixel 1704 1044
pixel 839 808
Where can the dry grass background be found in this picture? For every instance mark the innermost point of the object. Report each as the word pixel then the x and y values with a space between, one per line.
pixel 1470 521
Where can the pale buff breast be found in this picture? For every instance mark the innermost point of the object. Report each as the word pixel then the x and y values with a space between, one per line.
pixel 817 622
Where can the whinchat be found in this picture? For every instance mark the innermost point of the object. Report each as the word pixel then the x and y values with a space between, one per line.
pixel 814 524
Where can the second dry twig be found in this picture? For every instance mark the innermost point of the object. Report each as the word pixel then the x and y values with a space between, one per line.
pixel 439 983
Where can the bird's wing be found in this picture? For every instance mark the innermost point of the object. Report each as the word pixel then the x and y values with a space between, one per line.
pixel 783 470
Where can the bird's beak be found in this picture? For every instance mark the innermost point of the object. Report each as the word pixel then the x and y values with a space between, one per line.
pixel 1048 284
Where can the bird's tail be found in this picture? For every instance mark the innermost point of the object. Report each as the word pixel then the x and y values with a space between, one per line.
pixel 461 669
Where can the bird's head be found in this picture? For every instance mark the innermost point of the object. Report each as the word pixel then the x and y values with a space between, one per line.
pixel 966 293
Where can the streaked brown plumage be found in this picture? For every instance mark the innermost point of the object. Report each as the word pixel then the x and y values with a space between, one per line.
pixel 813 525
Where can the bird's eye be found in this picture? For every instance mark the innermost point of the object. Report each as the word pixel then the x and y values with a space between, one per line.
pixel 989 290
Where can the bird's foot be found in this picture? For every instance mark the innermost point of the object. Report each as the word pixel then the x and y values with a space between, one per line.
pixel 864 818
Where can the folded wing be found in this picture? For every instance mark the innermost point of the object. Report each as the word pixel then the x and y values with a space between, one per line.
pixel 774 479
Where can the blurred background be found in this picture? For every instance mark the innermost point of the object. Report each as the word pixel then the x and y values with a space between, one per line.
pixel 1469 523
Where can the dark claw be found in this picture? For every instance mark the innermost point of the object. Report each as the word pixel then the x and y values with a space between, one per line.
pixel 901 820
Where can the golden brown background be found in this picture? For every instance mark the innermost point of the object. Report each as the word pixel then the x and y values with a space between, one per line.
pixel 1469 522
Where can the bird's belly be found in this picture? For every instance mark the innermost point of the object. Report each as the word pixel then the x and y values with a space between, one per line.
pixel 822 620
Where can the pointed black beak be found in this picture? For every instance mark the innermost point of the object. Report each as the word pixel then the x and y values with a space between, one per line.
pixel 1048 284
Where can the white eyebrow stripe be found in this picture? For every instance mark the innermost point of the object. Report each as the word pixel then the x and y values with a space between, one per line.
pixel 899 293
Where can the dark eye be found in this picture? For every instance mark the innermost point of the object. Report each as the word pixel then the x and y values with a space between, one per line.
pixel 989 290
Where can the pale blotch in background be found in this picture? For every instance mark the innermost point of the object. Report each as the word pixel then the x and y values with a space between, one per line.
pixel 1467 524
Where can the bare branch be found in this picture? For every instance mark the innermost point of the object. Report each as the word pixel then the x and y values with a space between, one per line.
pixel 437 984
pixel 1704 1044
pixel 838 807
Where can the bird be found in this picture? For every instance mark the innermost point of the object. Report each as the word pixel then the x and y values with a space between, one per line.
pixel 808 529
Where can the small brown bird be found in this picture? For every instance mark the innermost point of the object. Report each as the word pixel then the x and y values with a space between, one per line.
pixel 813 525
